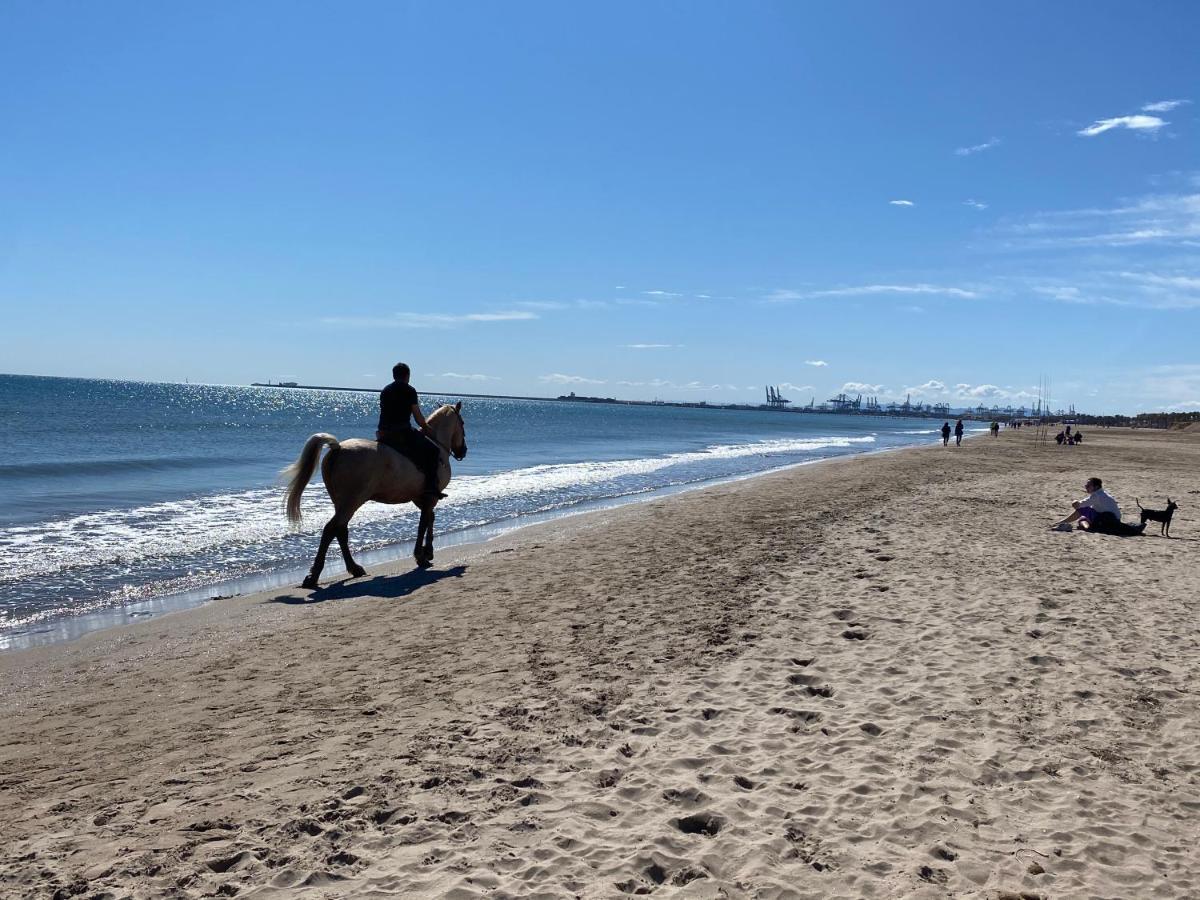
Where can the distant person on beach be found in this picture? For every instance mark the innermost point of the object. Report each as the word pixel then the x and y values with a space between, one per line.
pixel 1079 437
pixel 398 405
pixel 1060 438
pixel 958 430
pixel 995 429
pixel 945 434
pixel 1098 512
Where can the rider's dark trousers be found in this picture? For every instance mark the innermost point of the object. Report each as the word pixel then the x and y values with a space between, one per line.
pixel 420 449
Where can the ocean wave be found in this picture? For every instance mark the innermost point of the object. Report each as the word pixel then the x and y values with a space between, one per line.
pixel 179 528
pixel 71 468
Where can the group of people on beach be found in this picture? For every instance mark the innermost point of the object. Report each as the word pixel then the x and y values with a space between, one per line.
pixel 1066 439
pixel 958 433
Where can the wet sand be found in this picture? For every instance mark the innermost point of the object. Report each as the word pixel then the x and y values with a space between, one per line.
pixel 874 677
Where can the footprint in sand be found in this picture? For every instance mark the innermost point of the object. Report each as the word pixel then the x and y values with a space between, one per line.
pixel 702 823
pixel 854 634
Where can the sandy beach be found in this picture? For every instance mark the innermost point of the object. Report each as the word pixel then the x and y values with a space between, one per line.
pixel 881 676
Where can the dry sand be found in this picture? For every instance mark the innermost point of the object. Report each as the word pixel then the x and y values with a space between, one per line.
pixel 877 677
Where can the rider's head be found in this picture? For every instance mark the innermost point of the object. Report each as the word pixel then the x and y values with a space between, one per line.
pixel 401 372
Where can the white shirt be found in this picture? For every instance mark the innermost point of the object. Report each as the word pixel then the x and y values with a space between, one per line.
pixel 1101 501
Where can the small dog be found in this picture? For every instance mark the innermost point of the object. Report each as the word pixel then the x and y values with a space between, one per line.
pixel 1159 515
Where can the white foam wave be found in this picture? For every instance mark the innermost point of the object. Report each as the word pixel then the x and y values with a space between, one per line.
pixel 194 525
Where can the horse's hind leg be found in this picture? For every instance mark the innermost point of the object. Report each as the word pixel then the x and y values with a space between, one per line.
pixel 328 533
pixel 343 539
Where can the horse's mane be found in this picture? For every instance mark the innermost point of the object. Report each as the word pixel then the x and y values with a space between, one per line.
pixel 439 412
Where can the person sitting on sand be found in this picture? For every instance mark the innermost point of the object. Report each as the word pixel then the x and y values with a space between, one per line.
pixel 1097 512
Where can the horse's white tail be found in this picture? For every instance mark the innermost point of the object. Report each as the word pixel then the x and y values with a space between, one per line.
pixel 301 471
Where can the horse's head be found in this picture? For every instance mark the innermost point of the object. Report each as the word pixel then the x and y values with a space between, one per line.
pixel 458 438
pixel 447 423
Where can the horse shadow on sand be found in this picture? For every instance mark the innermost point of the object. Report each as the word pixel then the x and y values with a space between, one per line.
pixel 382 587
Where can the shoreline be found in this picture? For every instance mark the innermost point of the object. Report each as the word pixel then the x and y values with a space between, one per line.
pixel 67 629
pixel 878 678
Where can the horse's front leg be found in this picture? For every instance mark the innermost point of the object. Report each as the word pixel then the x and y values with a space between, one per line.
pixel 343 538
pixel 424 526
pixel 429 536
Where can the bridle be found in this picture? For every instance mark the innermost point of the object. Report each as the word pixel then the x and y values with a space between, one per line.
pixel 446 449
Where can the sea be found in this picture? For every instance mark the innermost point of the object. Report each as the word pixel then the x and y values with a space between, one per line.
pixel 121 500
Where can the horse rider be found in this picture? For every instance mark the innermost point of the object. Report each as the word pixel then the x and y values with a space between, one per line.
pixel 398 403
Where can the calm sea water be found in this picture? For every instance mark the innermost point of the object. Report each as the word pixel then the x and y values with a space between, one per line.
pixel 116 494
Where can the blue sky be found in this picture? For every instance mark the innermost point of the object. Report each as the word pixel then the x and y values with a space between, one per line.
pixel 675 200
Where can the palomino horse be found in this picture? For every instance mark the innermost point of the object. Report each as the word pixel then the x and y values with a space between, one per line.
pixel 356 471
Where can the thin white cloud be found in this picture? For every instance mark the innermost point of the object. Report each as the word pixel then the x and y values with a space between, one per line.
pixel 667 294
pixel 977 148
pixel 559 378
pixel 427 320
pixel 543 304
pixel 901 203
pixel 1155 219
pixel 796 388
pixel 975 204
pixel 1133 123
pixel 1164 105
pixel 868 289
pixel 651 346
pixel 784 296
pixel 815 362
pixel 861 387
pixel 462 377
pixel 1142 289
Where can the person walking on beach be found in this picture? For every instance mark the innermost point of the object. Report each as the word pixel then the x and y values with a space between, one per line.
pixel 958 431
pixel 945 434
pixel 398 404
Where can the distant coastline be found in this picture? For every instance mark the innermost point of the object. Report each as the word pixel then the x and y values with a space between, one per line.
pixel 678 404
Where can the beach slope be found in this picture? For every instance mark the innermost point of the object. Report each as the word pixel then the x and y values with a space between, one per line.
pixel 873 677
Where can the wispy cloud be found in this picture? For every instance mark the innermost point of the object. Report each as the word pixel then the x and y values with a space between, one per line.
pixel 796 388
pixel 559 378
pixel 868 289
pixel 1139 289
pixel 815 362
pixel 975 204
pixel 901 203
pixel 664 294
pixel 651 346
pixel 1149 124
pixel 1157 219
pixel 542 304
pixel 462 377
pixel 427 320
pixel 977 148
pixel 1163 105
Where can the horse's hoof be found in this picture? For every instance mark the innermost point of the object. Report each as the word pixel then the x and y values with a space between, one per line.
pixel 310 582
pixel 424 563
pixel 357 572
